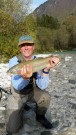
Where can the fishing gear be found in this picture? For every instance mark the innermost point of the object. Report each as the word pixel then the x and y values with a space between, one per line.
pixel 3 90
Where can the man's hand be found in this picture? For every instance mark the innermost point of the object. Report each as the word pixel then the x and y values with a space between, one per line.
pixel 26 71
pixel 52 63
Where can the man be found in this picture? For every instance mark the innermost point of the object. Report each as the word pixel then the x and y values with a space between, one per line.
pixel 26 87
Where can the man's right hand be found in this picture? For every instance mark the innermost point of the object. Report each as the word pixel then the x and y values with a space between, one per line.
pixel 26 71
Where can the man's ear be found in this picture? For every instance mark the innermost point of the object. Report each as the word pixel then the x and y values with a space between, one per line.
pixel 33 47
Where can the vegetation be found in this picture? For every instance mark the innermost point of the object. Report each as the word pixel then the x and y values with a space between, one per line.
pixel 48 22
pixel 49 34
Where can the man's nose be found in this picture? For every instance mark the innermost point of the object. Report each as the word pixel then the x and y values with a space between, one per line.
pixel 26 47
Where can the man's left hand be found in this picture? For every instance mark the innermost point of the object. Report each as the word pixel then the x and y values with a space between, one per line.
pixel 52 63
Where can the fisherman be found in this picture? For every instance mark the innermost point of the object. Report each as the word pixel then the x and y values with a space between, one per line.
pixel 28 87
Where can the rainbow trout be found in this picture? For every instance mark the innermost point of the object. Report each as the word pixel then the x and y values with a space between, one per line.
pixel 37 64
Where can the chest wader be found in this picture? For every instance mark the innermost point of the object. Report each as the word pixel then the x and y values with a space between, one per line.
pixel 17 102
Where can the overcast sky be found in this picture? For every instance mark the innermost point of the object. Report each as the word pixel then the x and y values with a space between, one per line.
pixel 36 3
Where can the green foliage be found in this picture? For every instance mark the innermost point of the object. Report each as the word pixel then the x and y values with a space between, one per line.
pixel 48 22
pixel 30 23
pixel 70 24
pixel 18 9
pixel 61 39
pixel 8 46
pixel 45 39
pixel 5 20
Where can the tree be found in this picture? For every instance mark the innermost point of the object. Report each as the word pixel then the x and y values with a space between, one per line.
pixel 70 24
pixel 6 22
pixel 45 38
pixel 30 23
pixel 48 21
pixel 61 39
pixel 16 8
pixel 12 14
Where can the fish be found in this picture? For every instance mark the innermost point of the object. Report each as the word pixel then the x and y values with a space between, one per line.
pixel 38 64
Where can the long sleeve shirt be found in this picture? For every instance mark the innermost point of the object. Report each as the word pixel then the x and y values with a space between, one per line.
pixel 19 83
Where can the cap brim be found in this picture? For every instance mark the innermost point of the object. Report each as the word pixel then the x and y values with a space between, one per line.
pixel 27 41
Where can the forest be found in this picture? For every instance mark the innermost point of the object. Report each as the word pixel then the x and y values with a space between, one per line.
pixel 49 33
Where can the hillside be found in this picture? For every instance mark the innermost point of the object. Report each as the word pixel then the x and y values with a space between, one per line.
pixel 56 8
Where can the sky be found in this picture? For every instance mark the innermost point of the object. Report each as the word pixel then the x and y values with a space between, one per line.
pixel 36 3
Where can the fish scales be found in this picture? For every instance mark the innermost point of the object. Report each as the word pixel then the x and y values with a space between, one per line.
pixel 37 64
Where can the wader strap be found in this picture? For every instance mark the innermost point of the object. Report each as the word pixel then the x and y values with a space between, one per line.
pixel 20 58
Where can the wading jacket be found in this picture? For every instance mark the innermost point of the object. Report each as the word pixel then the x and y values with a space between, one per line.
pixel 23 86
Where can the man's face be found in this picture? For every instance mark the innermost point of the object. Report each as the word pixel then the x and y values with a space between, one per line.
pixel 27 49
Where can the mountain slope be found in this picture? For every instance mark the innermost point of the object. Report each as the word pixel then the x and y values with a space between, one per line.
pixel 57 8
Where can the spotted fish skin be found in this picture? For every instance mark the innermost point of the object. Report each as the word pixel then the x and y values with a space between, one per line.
pixel 37 64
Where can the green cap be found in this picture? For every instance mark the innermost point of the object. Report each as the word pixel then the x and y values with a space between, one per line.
pixel 25 39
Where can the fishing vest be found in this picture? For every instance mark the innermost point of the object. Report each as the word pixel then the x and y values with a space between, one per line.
pixel 31 84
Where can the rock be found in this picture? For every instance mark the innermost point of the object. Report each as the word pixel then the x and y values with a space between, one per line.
pixel 72 81
pixel 69 131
